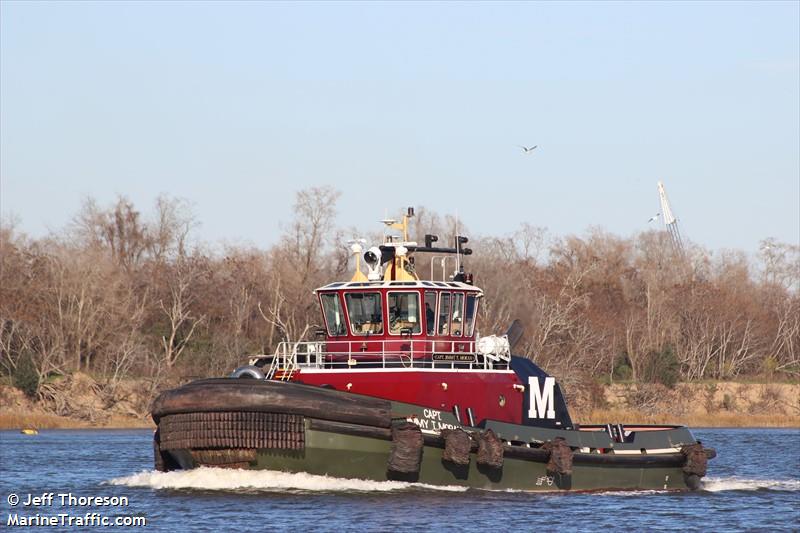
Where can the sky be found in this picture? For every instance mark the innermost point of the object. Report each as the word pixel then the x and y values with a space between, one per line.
pixel 237 106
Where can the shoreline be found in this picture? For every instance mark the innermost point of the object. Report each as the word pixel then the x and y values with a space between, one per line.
pixel 44 421
pixel 729 420
pixel 717 404
pixel 40 421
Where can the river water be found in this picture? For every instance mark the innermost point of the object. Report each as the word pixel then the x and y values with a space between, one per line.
pixel 753 484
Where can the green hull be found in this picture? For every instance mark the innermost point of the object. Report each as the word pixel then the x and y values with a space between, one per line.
pixel 296 428
pixel 350 456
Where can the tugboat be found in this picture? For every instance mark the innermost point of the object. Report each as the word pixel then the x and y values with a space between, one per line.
pixel 398 385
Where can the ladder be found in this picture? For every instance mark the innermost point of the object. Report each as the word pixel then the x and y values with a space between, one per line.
pixel 284 363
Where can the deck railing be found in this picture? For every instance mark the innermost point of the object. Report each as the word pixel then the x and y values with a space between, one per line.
pixel 289 357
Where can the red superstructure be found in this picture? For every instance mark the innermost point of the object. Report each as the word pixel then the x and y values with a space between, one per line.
pixel 390 335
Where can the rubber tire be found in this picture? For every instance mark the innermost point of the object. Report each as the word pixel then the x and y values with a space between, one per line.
pixel 692 481
pixel 162 461
pixel 247 372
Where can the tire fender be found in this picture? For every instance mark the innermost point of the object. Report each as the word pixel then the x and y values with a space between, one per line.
pixel 249 372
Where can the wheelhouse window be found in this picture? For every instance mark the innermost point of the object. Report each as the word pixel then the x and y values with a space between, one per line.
pixel 332 311
pixel 444 314
pixel 457 320
pixel 472 310
pixel 430 312
pixel 365 312
pixel 404 312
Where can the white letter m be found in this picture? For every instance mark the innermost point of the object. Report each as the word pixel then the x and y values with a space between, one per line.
pixel 541 399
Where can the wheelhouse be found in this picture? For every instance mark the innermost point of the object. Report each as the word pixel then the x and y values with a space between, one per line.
pixel 389 311
pixel 404 321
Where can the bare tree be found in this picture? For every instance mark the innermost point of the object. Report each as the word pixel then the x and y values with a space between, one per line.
pixel 169 231
pixel 182 321
pixel 297 265
pixel 120 230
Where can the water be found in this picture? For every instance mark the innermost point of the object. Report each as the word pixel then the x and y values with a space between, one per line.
pixel 753 484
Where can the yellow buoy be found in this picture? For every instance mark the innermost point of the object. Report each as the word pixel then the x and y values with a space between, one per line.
pixel 30 431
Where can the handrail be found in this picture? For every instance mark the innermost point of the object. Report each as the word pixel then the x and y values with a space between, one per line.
pixel 289 357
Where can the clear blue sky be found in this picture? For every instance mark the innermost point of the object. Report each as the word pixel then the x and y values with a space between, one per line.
pixel 235 106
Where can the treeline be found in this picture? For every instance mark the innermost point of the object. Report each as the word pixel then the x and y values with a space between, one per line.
pixel 119 294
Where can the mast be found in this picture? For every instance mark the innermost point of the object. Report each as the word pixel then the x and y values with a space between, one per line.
pixel 396 252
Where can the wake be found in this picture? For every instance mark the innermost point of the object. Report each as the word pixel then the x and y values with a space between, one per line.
pixel 736 483
pixel 222 479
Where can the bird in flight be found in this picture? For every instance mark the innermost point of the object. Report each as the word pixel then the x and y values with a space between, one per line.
pixel 652 218
pixel 528 150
